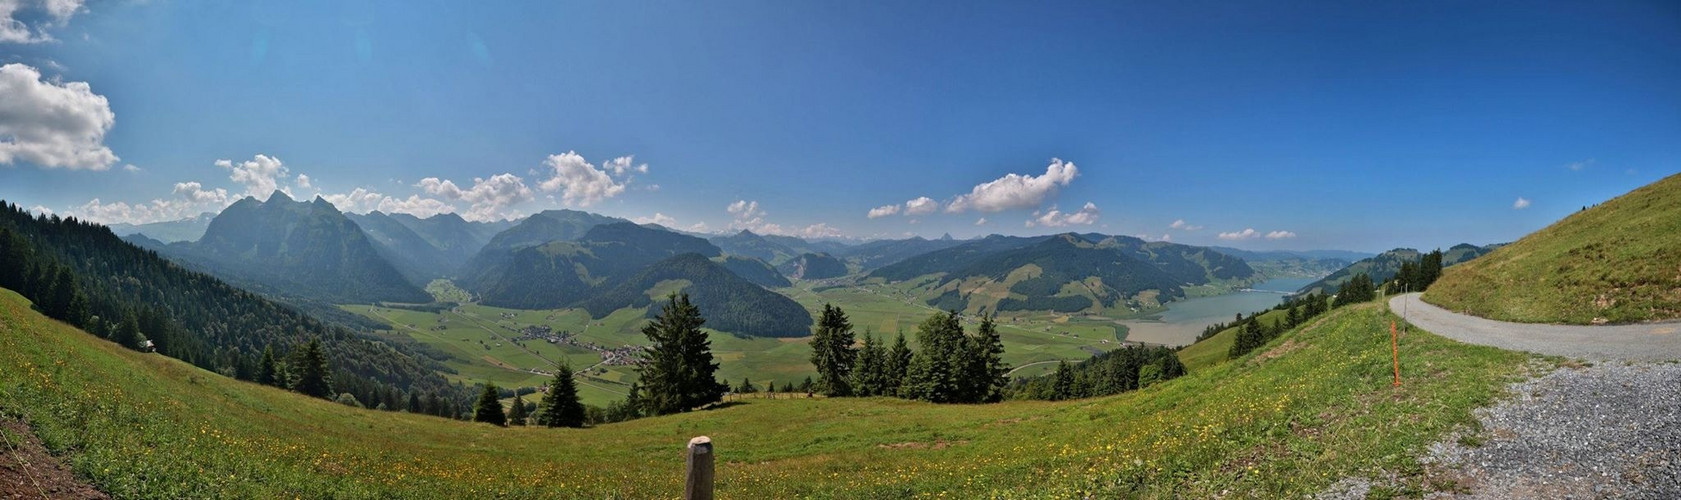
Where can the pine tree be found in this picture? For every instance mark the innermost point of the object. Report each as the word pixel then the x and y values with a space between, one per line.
pixel 489 407
pixel 311 372
pixel 831 352
pixel 516 413
pixel 414 403
pixel 1063 384
pixel 896 366
pixel 869 370
pixel 128 332
pixel 266 370
pixel 678 370
pixel 746 386
pixel 985 374
pixel 560 407
pixel 936 368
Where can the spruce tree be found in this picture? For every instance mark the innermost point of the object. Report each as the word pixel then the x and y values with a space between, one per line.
pixel 831 352
pixel 677 368
pixel 868 372
pixel 489 407
pixel 311 372
pixel 896 366
pixel 128 332
pixel 516 413
pixel 266 369
pixel 937 367
pixel 986 372
pixel 1063 383
pixel 560 407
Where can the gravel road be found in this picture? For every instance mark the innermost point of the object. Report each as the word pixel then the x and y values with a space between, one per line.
pixel 1607 431
pixel 1638 342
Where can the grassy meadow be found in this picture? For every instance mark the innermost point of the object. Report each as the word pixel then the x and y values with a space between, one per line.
pixel 1291 418
pixel 1618 262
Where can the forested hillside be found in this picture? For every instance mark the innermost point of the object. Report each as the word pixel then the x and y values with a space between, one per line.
pixel 813 266
pixel 730 303
pixel 85 275
pixel 1383 266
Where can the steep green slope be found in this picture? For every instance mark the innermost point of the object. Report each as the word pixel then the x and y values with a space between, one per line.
pixel 1619 261
pixel 306 249
pixel 1384 266
pixel 754 270
pixel 730 303
pixel 748 244
pixel 195 317
pixel 559 273
pixel 1288 421
pixel 412 255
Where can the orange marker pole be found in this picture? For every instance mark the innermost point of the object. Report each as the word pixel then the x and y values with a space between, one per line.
pixel 1395 347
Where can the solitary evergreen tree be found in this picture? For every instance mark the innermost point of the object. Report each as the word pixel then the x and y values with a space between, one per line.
pixel 312 378
pixel 489 407
pixel 831 352
pixel 560 407
pixel 516 413
pixel 678 370
pixel 414 403
pixel 746 386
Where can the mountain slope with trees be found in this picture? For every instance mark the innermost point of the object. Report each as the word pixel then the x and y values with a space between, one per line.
pixel 1384 266
pixel 1617 262
pixel 729 302
pixel 305 249
pixel 813 266
pixel 131 295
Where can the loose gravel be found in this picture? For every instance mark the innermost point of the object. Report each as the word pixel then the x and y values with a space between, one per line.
pixel 1606 431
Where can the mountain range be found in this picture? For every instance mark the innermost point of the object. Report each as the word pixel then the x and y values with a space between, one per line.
pixel 1383 266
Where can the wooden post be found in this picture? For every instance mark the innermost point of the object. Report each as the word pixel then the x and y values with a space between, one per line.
pixel 698 484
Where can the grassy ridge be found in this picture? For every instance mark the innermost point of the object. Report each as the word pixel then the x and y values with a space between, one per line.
pixel 1287 420
pixel 1620 261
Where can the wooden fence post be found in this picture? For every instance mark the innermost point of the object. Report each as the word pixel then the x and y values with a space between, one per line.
pixel 698 484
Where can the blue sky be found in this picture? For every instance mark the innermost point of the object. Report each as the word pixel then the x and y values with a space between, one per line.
pixel 1320 124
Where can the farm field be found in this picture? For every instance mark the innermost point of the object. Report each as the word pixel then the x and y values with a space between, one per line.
pixel 483 341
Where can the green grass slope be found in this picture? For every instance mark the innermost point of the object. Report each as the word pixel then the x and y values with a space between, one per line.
pixel 1620 261
pixel 1292 418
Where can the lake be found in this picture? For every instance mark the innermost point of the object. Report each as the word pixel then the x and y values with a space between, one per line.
pixel 1185 319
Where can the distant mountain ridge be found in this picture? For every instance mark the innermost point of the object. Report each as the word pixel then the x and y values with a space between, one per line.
pixel 1067 272
pixel 1384 266
pixel 307 249
pixel 813 266
pixel 188 229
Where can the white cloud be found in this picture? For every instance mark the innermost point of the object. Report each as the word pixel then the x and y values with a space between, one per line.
pixel 1181 224
pixel 883 211
pixel 981 222
pixel 1087 215
pixel 51 124
pixel 820 230
pixel 582 184
pixel 361 201
pixel 1521 204
pixel 699 227
pixel 490 198
pixel 13 30
pixel 303 181
pixel 1580 165
pixel 658 218
pixel 1279 235
pixel 259 175
pixel 131 168
pixel 1164 237
pixel 41 210
pixel 745 211
pixel 921 206
pixel 1246 234
pixel 1015 191
pixel 195 192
